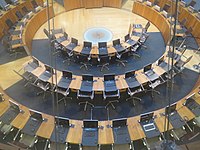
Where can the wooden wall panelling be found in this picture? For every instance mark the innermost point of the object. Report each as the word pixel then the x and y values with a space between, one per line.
pixel 93 3
pixel 73 4
pixel 112 3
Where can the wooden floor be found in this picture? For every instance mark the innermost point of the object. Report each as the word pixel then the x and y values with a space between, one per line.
pixel 76 22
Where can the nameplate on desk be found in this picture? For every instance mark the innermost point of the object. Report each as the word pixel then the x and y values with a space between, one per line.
pixel 149 3
pixel 182 3
pixel 157 8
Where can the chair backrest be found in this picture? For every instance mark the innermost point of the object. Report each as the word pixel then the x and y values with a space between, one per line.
pixel 166 7
pixel 147 67
pixel 87 44
pixel 9 23
pixel 130 74
pixel 62 121
pixel 18 14
pixel 108 77
pixel 119 122
pixel 34 4
pixel 49 69
pixel 67 74
pixel 102 44
pixel 87 77
pixel 116 42
pixel 74 41
pixel 183 22
pixel 146 117
pixel 25 10
pixel 192 3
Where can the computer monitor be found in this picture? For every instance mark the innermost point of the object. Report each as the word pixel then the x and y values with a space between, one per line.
pixel 74 41
pixel 62 121
pixel 49 69
pixel 87 44
pixel 116 42
pixel 36 115
pixel 122 122
pixel 147 67
pixel 108 77
pixel 14 105
pixel 127 37
pixel 161 60
pixel 170 109
pixel 87 77
pixel 90 123
pixel 67 74
pixel 129 74
pixel 102 44
pixel 35 61
pixel 189 99
pixel 146 117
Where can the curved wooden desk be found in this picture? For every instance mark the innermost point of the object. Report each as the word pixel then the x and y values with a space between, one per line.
pixel 10 14
pixel 154 17
pixel 75 4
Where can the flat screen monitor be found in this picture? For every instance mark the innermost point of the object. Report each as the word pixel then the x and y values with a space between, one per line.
pixel 36 115
pixel 14 105
pixel 49 69
pixel 62 121
pixel 189 99
pixel 116 42
pixel 87 77
pixel 130 74
pixel 90 123
pixel 146 117
pixel 102 44
pixel 161 60
pixel 67 74
pixel 74 41
pixel 147 67
pixel 127 37
pixel 170 109
pixel 87 44
pixel 65 35
pixel 122 122
pixel 108 77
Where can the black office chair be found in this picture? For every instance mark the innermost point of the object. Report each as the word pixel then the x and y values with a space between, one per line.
pixel 104 62
pixel 121 58
pixel 44 86
pixel 84 61
pixel 105 147
pixel 110 89
pixel 72 146
pixel 86 89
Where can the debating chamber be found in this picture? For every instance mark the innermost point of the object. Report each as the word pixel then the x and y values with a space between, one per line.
pixel 100 74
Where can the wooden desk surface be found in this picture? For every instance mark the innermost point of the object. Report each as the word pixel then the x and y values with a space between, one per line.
pixel 76 83
pixel 98 85
pixel 46 128
pixel 121 82
pixel 135 130
pixel 22 118
pixel 4 106
pixel 106 134
pixel 75 134
pixel 161 121
pixel 141 77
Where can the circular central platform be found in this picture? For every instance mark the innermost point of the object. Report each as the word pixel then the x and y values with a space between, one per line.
pixel 96 35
